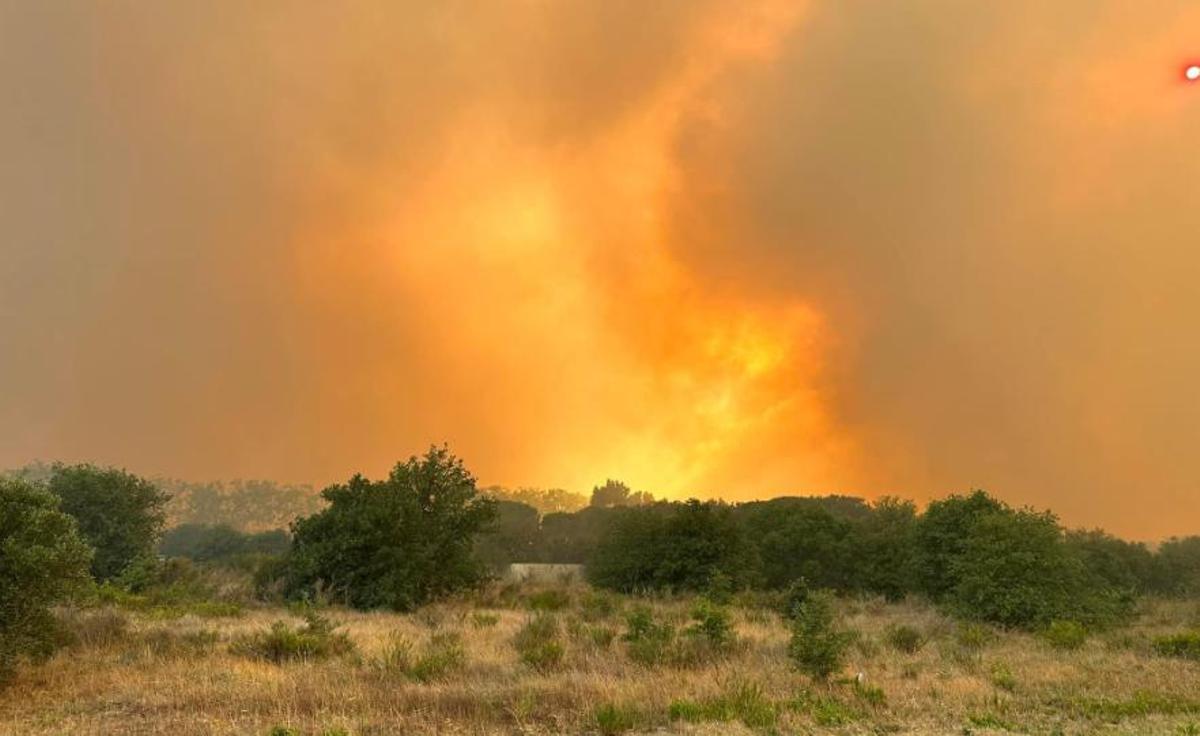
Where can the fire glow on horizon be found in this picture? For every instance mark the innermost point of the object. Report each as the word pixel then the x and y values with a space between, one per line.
pixel 699 246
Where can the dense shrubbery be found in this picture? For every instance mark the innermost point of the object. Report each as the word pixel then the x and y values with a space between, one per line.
pixel 818 643
pixel 425 532
pixel 42 559
pixel 396 543
pixel 947 554
pixel 672 547
pixel 1014 569
pixel 119 514
pixel 316 639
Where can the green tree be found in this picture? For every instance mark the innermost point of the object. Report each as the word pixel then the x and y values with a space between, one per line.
pixel 883 546
pixel 1176 569
pixel 798 539
pixel 942 535
pixel 42 559
pixel 545 500
pixel 615 493
pixel 1015 569
pixel 119 514
pixel 672 547
pixel 818 645
pixel 1113 562
pixel 395 543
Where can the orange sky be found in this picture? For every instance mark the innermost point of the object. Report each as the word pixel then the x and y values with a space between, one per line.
pixel 708 247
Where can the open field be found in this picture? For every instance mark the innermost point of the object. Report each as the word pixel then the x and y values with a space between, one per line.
pixel 163 675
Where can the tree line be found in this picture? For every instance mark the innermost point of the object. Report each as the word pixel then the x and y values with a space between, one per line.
pixel 426 531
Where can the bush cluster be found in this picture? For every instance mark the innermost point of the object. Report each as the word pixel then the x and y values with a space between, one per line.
pixel 443 654
pixel 1181 646
pixel 972 554
pixel 317 639
pixel 818 644
pixel 42 560
pixel 539 643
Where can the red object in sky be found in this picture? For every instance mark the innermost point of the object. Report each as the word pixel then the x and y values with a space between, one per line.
pixel 1191 73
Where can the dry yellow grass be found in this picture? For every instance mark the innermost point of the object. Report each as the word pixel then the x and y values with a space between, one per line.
pixel 151 681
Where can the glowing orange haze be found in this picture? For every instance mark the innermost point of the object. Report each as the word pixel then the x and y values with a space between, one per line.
pixel 708 247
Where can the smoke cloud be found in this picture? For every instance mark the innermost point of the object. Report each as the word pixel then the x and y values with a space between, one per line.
pixel 713 248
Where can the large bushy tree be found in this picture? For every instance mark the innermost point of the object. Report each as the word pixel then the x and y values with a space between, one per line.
pixel 42 558
pixel 941 536
pixel 1113 562
pixel 1015 568
pixel 395 543
pixel 615 493
pixel 119 514
pixel 1176 570
pixel 883 548
pixel 674 547
pixel 799 540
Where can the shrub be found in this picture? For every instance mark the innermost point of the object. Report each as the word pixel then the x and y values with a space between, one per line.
pixel 1067 635
pixel 711 627
pixel 869 694
pixel 805 538
pixel 1003 678
pixel 42 561
pixel 612 719
pixel 539 643
pixel 1014 568
pixel 648 641
pixel 794 598
pixel 719 589
pixel 316 639
pixel 941 535
pixel 443 655
pixel 678 547
pixel 743 701
pixel 396 543
pixel 818 645
pixel 829 712
pixel 905 639
pixel 973 636
pixel 1182 646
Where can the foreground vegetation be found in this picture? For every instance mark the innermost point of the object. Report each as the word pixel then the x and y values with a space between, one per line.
pixel 379 613
pixel 574 660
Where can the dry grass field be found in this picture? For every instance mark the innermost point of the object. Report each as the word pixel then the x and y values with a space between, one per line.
pixel 453 668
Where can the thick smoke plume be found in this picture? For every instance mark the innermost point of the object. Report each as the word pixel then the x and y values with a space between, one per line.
pixel 712 248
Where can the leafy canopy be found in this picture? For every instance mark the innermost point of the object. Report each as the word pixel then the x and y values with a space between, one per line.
pixel 42 560
pixel 119 514
pixel 395 543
